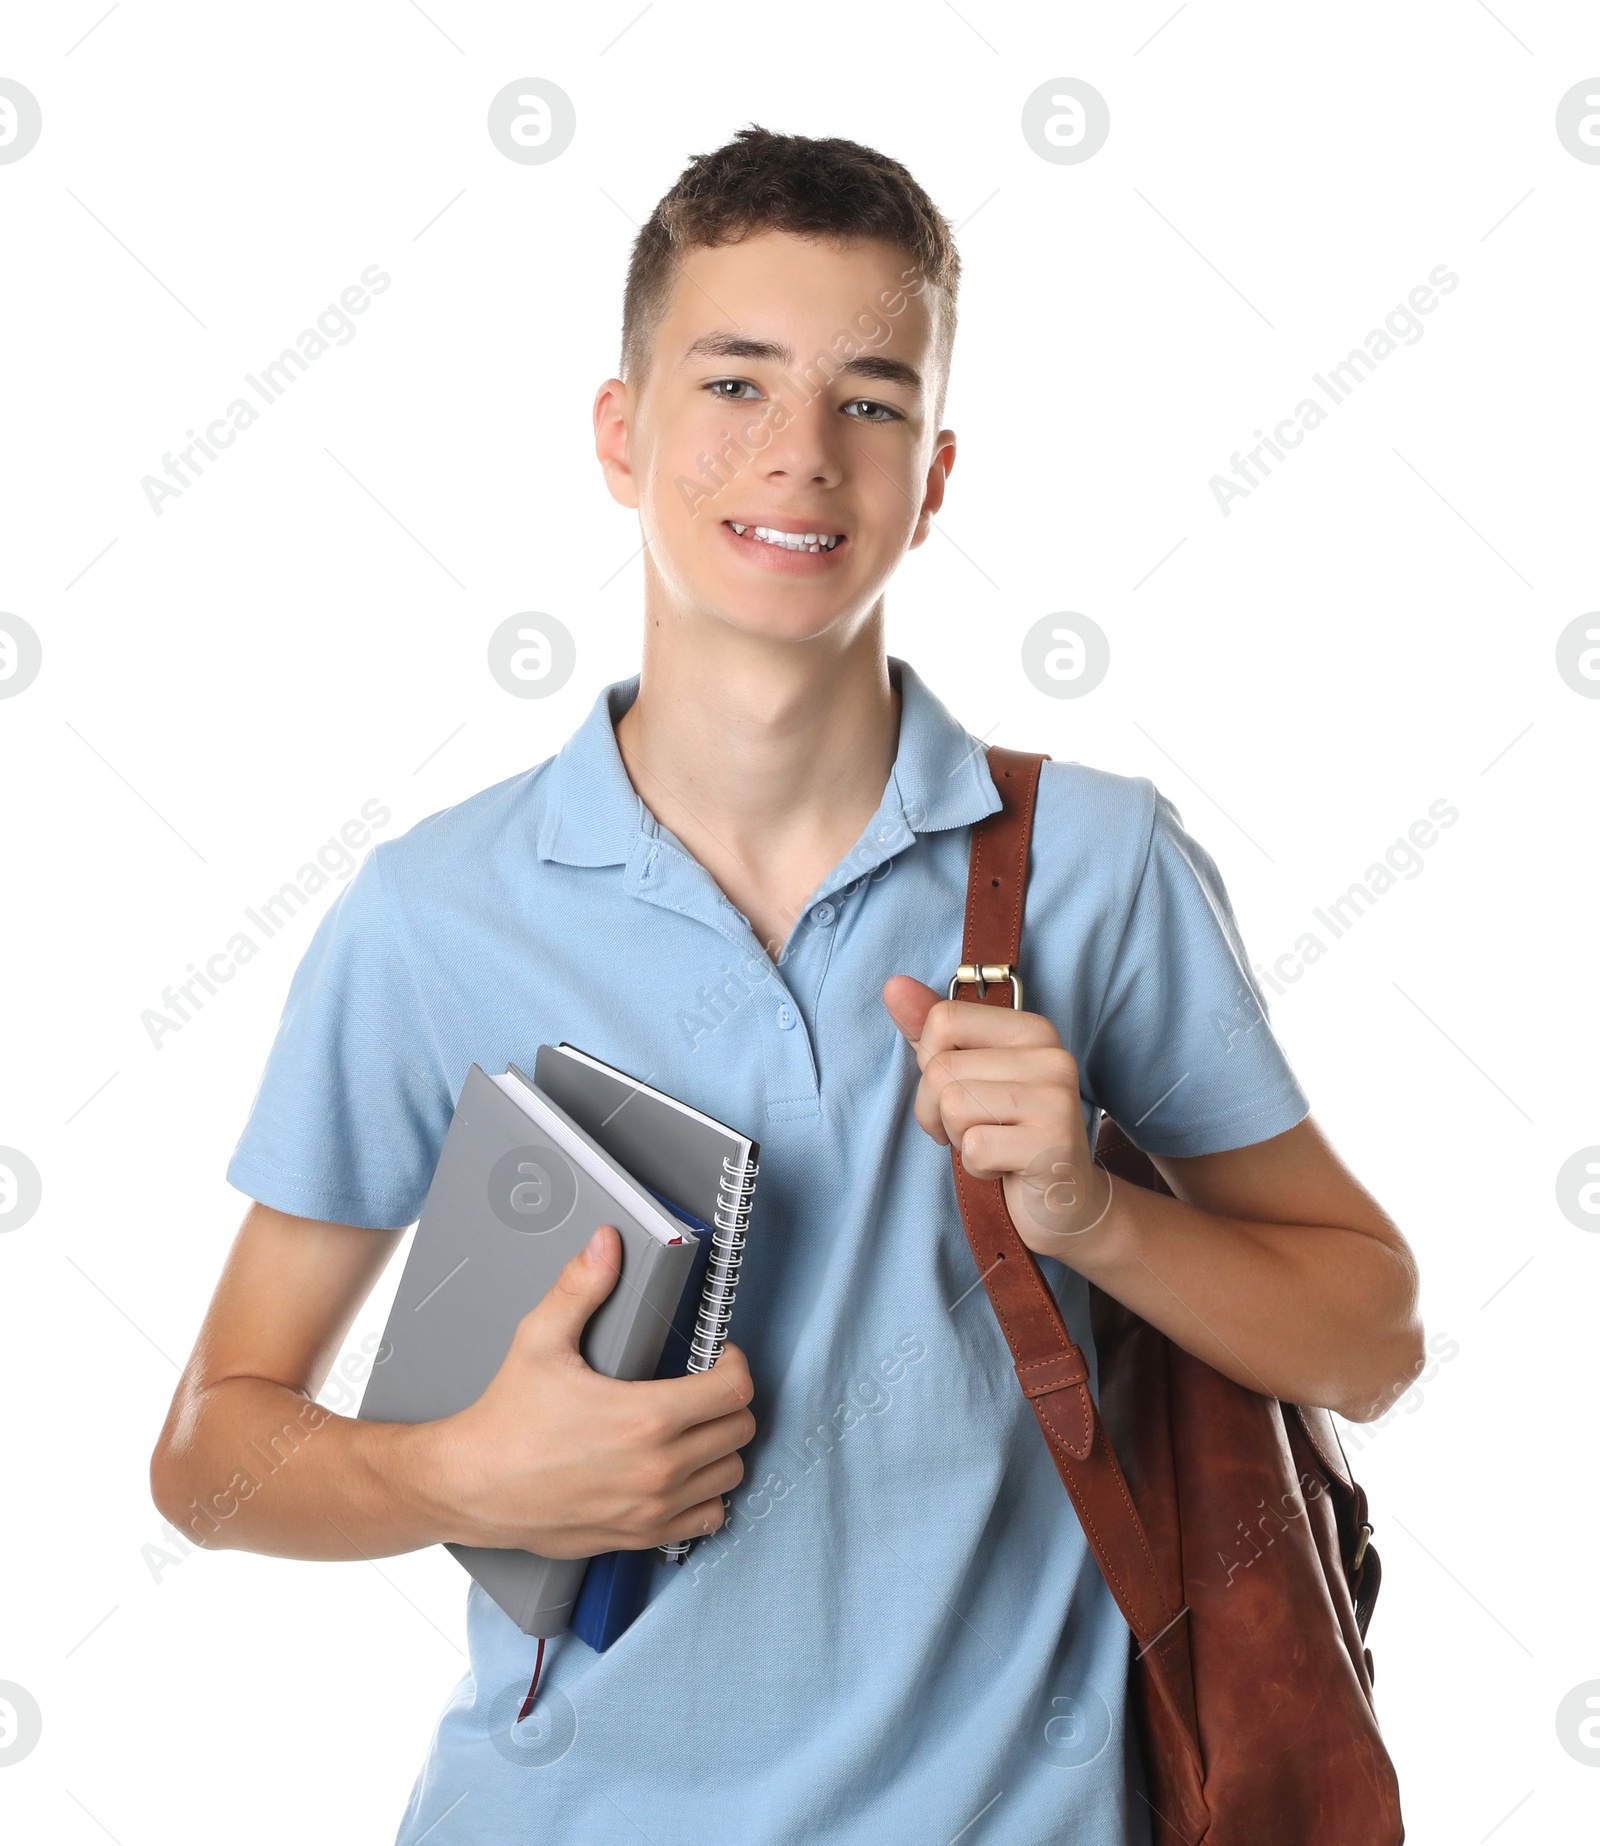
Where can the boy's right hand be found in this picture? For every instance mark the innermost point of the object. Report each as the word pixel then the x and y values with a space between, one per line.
pixel 557 1458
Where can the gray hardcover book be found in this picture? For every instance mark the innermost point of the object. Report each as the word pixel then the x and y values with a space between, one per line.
pixel 519 1189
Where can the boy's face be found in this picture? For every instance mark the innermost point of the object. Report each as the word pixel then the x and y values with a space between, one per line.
pixel 792 387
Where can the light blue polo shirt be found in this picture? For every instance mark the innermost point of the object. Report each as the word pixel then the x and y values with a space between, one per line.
pixel 900 1635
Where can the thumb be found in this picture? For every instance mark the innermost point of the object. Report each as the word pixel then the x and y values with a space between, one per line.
pixel 584 1282
pixel 908 1002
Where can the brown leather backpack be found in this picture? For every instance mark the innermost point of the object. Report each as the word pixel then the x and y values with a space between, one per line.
pixel 1227 1524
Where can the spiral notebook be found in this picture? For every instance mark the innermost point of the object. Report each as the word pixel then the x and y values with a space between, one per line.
pixel 705 1173
pixel 528 1168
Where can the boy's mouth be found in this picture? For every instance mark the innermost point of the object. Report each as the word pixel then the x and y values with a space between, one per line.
pixel 784 544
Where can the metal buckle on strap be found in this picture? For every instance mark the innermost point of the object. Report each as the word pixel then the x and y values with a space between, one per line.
pixel 984 975
pixel 1361 1546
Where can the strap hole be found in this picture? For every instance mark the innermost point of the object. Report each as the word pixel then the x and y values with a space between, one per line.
pixel 994 881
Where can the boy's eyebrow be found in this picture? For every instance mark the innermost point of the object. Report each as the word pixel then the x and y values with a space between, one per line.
pixel 864 365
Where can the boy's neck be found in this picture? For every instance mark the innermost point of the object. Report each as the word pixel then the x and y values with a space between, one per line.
pixel 766 758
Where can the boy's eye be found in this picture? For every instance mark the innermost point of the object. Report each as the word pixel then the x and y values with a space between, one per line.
pixel 885 414
pixel 874 411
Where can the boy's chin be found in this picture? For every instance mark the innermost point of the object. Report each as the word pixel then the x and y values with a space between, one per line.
pixel 776 621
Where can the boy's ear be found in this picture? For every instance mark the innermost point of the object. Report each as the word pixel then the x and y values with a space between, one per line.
pixel 613 413
pixel 944 459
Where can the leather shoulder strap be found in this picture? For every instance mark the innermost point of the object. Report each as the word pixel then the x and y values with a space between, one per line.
pixel 1050 1366
pixel 997 877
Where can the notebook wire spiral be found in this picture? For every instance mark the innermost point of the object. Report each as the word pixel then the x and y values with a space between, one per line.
pixel 731 1221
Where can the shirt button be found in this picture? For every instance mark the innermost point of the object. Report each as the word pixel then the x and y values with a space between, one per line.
pixel 823 915
pixel 785 1016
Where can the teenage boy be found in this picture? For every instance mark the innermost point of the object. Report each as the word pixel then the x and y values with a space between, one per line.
pixel 743 877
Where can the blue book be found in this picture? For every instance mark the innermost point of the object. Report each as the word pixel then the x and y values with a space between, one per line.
pixel 702 1173
pixel 616 1584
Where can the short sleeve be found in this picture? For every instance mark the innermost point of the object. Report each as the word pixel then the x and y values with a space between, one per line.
pixel 351 1110
pixel 1181 1055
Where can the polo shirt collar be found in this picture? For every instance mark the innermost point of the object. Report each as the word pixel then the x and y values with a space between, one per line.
pixel 940 777
pixel 594 816
pixel 592 813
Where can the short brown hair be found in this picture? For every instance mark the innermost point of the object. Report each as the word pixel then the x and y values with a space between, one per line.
pixel 761 181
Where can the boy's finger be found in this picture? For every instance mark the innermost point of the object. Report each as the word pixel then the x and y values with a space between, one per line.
pixel 704 1443
pixel 1017 1063
pixel 907 1001
pixel 1002 1103
pixel 583 1282
pixel 954 1079
pixel 964 1024
pixel 991 1151
pixel 700 1397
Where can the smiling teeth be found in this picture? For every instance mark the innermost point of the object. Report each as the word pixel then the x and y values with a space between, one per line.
pixel 790 541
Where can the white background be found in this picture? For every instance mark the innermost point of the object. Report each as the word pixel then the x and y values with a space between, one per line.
pixel 224 685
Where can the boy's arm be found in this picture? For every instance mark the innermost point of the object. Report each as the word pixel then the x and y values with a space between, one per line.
pixel 246 1458
pixel 1273 1263
pixel 553 1457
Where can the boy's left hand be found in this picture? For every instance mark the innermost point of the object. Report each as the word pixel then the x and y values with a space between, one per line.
pixel 1000 1085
